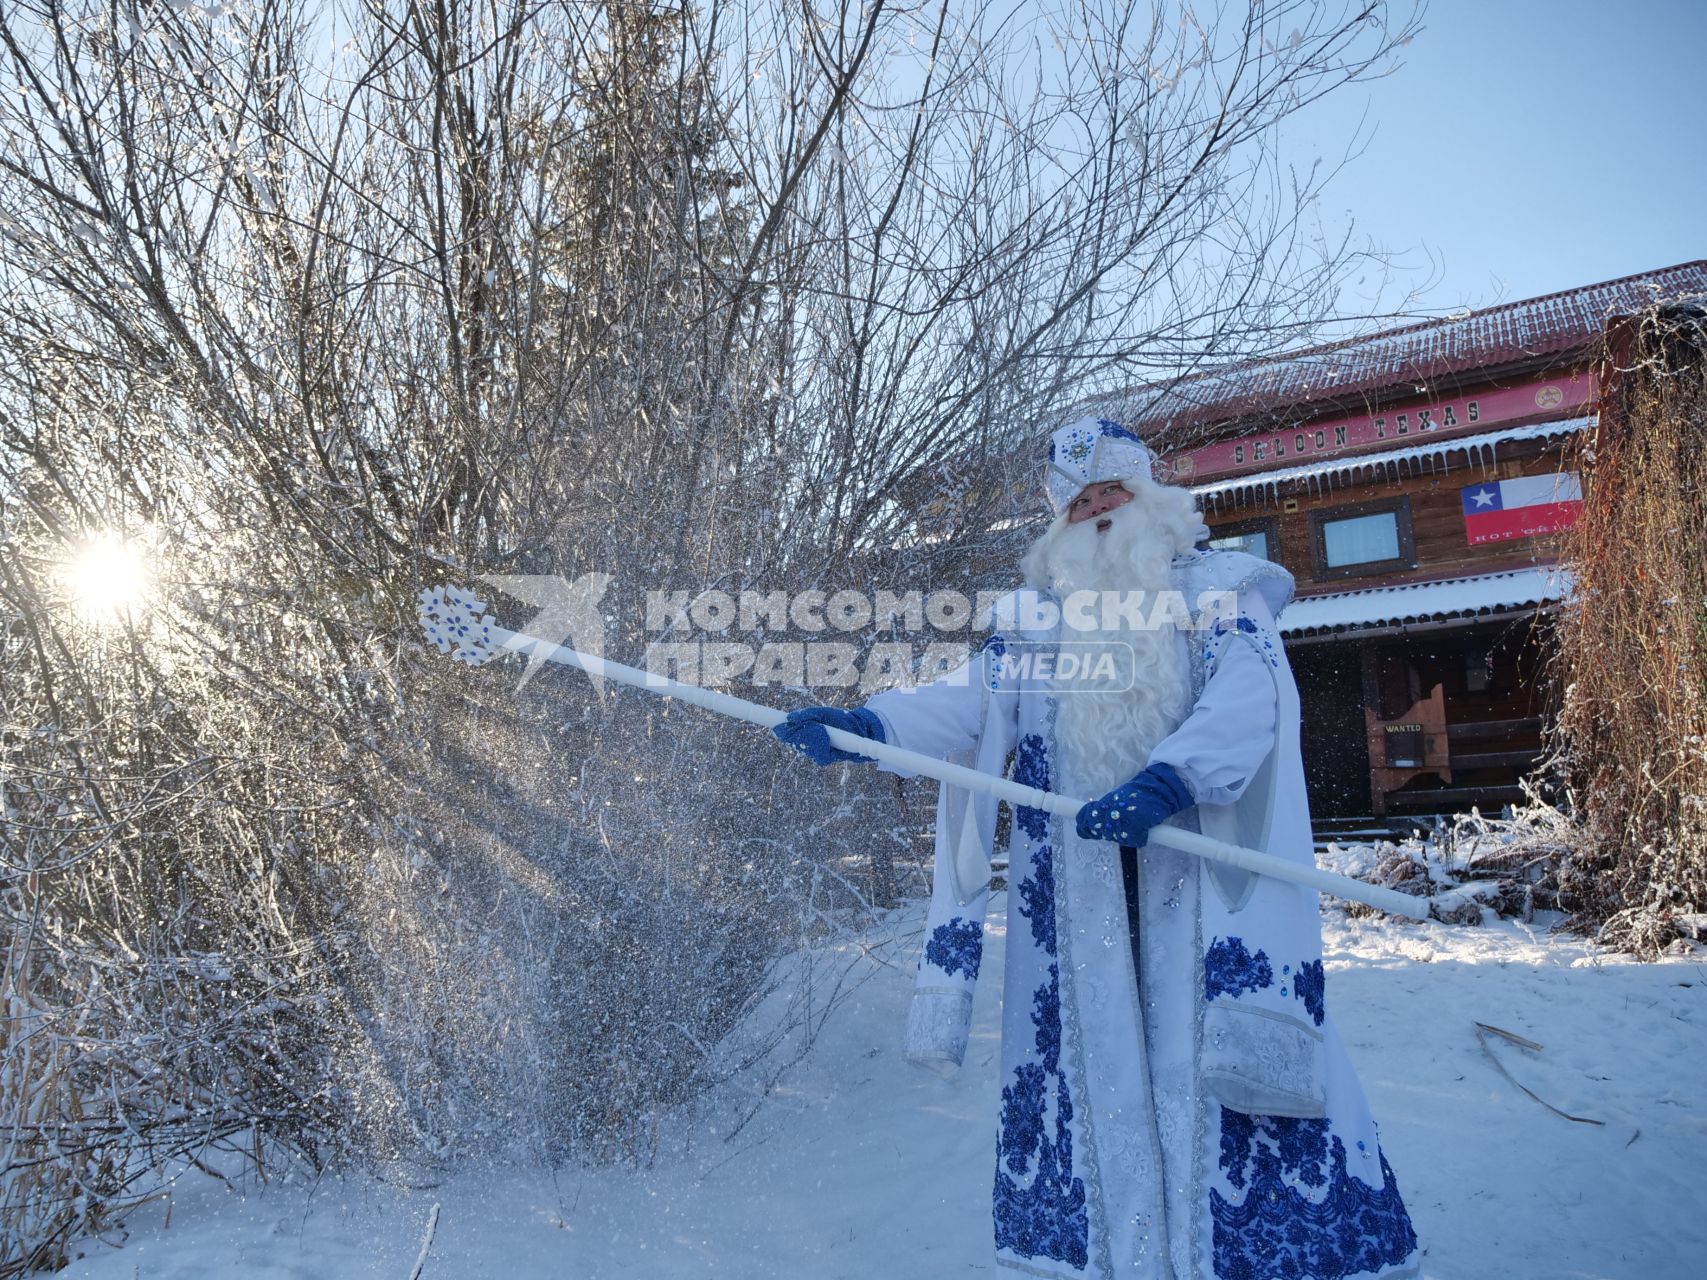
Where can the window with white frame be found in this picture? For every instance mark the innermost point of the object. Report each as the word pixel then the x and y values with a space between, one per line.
pixel 1372 537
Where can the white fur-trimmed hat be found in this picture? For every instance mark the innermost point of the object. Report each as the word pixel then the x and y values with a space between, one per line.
pixel 1090 450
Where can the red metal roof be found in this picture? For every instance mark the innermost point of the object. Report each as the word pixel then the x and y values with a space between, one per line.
pixel 1516 332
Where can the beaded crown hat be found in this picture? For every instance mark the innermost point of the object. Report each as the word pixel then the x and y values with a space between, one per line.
pixel 1090 450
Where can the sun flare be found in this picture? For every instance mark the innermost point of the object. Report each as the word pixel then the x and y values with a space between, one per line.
pixel 108 578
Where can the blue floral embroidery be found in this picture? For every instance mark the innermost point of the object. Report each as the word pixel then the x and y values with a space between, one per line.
pixel 1022 1124
pixel 1236 1129
pixel 1030 764
pixel 1308 986
pixel 1047 1216
pixel 1031 768
pixel 1037 897
pixel 1116 430
pixel 1342 1227
pixel 1230 970
pixel 1034 822
pixel 957 947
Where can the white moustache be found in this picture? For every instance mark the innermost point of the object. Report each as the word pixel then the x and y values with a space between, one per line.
pixel 1134 552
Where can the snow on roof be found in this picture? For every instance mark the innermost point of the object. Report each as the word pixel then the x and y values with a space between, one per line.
pixel 1425 601
pixel 1556 324
pixel 1361 468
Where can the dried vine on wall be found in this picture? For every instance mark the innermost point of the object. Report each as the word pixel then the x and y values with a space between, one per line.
pixel 1634 642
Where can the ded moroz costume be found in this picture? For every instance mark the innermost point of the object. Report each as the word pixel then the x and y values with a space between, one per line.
pixel 1175 1099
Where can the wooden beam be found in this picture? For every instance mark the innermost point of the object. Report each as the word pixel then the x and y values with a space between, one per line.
pixel 1371 703
pixel 1496 759
pixel 1493 728
pixel 1454 796
pixel 1524 613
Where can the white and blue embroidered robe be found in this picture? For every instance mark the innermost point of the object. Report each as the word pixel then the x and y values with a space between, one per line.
pixel 1191 1114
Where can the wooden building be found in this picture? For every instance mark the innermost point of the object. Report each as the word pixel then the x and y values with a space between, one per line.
pixel 1412 482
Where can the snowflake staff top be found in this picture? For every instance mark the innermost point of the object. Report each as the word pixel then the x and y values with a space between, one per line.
pixel 456 619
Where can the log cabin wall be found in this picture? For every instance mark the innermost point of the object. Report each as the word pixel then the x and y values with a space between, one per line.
pixel 1439 544
pixel 1422 669
pixel 1432 716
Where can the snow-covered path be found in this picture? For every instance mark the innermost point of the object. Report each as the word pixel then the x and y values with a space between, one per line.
pixel 863 1166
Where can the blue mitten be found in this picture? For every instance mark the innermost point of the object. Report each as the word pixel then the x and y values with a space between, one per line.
pixel 804 731
pixel 1127 813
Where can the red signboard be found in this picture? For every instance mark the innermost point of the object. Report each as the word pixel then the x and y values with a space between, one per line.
pixel 1407 423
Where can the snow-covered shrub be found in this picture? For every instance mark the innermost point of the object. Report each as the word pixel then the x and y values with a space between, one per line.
pixel 168 889
pixel 1509 864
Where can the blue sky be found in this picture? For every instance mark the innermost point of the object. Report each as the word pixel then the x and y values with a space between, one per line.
pixel 1528 146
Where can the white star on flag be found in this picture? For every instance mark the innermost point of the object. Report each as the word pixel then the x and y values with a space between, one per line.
pixel 1483 497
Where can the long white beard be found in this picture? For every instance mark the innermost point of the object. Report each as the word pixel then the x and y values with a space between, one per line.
pixel 1106 737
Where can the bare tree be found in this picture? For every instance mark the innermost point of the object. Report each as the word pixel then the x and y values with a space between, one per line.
pixel 982 214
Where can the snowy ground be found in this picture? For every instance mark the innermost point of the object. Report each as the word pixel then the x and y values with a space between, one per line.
pixel 864 1166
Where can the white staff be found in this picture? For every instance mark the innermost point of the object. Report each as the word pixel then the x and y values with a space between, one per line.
pixel 457 623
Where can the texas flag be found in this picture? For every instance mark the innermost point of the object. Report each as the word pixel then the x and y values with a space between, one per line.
pixel 1522 507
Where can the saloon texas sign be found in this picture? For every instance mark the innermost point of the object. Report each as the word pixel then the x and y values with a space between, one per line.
pixel 1429 419
pixel 1408 422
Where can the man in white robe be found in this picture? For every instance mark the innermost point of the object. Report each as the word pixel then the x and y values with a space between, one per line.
pixel 1176 1101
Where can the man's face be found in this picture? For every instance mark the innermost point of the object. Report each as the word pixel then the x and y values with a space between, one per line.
pixel 1095 501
